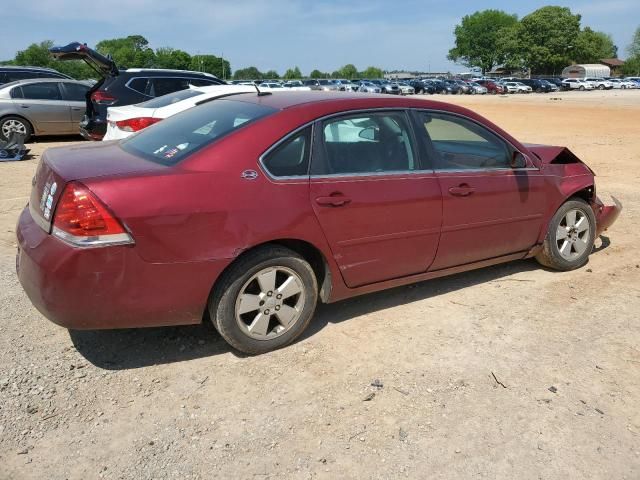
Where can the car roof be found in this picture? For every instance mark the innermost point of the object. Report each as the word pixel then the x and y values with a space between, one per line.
pixel 338 101
pixel 27 81
pixel 28 67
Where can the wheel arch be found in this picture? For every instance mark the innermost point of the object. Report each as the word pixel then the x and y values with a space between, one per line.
pixel 22 117
pixel 312 254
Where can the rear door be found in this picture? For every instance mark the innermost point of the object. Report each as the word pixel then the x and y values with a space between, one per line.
pixel 380 209
pixel 489 208
pixel 74 94
pixel 42 103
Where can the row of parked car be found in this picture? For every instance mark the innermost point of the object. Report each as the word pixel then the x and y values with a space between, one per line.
pixel 451 86
pixel 40 101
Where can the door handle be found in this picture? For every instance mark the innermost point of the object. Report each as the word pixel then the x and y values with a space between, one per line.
pixel 334 200
pixel 77 108
pixel 462 190
pixel 24 106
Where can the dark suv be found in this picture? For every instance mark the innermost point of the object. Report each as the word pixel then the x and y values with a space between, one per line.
pixel 124 87
pixel 539 85
pixel 10 73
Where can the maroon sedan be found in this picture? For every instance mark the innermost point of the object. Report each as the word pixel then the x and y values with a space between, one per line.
pixel 255 207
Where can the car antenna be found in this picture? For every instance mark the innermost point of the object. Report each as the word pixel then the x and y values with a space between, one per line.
pixel 261 94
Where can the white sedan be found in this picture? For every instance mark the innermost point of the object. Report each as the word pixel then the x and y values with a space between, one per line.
pixel 128 119
pixel 620 83
pixel 519 87
pixel 577 84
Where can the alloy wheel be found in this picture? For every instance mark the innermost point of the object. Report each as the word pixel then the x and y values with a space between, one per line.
pixel 12 125
pixel 270 303
pixel 572 234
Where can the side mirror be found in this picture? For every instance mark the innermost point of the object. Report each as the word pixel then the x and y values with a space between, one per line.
pixel 518 160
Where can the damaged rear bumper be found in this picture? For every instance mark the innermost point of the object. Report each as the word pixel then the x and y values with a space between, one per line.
pixel 606 215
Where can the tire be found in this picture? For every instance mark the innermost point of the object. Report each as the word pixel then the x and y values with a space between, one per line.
pixel 577 251
pixel 14 122
pixel 582 88
pixel 241 281
pixel 600 87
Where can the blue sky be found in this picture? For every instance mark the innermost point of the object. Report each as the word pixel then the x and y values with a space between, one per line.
pixel 277 34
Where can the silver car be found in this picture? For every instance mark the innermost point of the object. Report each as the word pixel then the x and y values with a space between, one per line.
pixel 42 107
pixel 369 87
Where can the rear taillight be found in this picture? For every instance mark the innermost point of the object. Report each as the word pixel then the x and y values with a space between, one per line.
pixel 82 220
pixel 103 98
pixel 136 124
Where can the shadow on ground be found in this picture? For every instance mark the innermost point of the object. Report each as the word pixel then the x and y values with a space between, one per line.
pixel 137 348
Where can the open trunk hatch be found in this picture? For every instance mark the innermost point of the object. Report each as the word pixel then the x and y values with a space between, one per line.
pixel 78 51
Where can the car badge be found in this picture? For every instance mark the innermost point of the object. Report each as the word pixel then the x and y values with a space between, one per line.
pixel 249 175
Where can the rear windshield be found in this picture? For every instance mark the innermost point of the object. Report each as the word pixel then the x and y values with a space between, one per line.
pixel 175 138
pixel 170 98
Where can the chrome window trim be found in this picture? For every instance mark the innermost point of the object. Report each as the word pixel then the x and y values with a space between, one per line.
pixel 373 174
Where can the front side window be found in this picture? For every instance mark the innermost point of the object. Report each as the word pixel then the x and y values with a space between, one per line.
pixel 291 158
pixel 41 91
pixel 461 144
pixel 366 143
pixel 175 138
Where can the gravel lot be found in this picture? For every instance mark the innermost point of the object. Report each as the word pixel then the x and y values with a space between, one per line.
pixel 508 372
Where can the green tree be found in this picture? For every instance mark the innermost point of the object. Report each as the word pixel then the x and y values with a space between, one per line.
pixel 167 57
pixel 372 72
pixel 37 55
pixel 591 46
pixel 293 74
pixel 631 66
pixel 634 47
pixel 478 39
pixel 348 71
pixel 271 75
pixel 544 40
pixel 249 73
pixel 131 51
pixel 317 74
pixel 217 66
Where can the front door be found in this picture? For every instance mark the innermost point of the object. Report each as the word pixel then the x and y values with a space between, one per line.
pixel 42 104
pixel 489 208
pixel 379 208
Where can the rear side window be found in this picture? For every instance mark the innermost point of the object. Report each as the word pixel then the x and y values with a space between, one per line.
pixel 163 85
pixel 16 92
pixel 41 91
pixel 175 138
pixel 368 143
pixel 290 158
pixel 174 97
pixel 75 92
pixel 139 85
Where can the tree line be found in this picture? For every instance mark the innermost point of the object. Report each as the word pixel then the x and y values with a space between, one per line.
pixel 544 42
pixel 134 51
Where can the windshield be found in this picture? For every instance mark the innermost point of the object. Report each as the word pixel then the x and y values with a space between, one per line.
pixel 175 138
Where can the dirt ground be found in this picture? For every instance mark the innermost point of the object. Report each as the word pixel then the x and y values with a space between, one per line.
pixel 177 403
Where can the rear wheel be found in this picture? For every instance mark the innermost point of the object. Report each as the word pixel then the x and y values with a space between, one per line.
pixel 581 88
pixel 13 123
pixel 265 300
pixel 570 237
pixel 600 87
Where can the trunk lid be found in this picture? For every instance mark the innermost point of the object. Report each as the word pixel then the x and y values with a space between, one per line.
pixel 59 166
pixel 105 66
